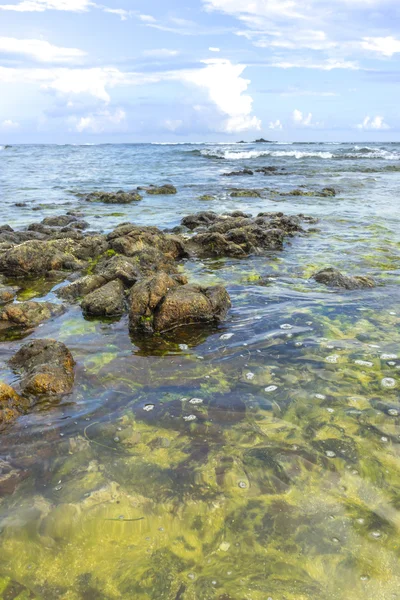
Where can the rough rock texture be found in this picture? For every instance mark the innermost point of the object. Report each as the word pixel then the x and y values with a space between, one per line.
pixel 161 190
pixel 238 234
pixel 28 314
pixel 65 221
pixel 160 303
pixel 46 368
pixel 245 194
pixel 107 301
pixel 7 293
pixel 34 258
pixel 11 404
pixel 238 173
pixel 119 197
pixel 334 278
pixel 81 287
pixel 118 267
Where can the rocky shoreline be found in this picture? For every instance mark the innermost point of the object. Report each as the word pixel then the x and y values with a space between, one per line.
pixel 133 270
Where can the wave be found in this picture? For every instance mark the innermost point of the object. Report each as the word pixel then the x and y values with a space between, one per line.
pixel 357 152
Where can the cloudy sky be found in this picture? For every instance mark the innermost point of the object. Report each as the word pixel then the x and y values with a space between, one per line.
pixel 167 70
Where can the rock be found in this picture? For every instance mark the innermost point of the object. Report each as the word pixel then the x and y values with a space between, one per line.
pixel 119 197
pixel 62 221
pixel 207 198
pixel 81 287
pixel 161 190
pixel 118 267
pixel 262 141
pixel 46 368
pixel 215 245
pixel 34 258
pixel 245 194
pixel 328 191
pixel 107 301
pixel 201 218
pixel 11 404
pixel 7 293
pixel 6 228
pixel 160 303
pixel 188 305
pixel 334 278
pixel 238 173
pixel 28 314
pixel 269 170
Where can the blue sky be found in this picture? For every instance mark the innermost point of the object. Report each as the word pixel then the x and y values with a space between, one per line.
pixel 220 70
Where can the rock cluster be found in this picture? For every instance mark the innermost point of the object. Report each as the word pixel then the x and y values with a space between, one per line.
pixel 334 278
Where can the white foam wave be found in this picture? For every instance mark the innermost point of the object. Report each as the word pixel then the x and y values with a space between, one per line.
pixel 247 155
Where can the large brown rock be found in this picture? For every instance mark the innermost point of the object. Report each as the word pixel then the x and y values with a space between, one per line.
pixel 107 301
pixel 161 303
pixel 81 287
pixel 46 368
pixel 28 314
pixel 7 293
pixel 118 267
pixel 334 278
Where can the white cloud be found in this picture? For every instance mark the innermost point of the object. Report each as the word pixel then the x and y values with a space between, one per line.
pixel 8 125
pixel 173 125
pixel 147 18
pixel 373 124
pixel 104 120
pixel 276 125
pixel 211 49
pixel 42 5
pixel 39 50
pixel 161 53
pixel 382 45
pixel 327 65
pixel 301 119
pixel 225 87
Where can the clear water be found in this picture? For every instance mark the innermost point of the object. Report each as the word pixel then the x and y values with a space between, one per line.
pixel 286 484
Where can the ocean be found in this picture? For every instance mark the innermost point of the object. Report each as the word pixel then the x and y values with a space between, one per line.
pixel 261 460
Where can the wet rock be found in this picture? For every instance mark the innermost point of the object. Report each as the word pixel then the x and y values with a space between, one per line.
pixel 7 293
pixel 64 221
pixel 207 198
pixel 35 257
pixel 238 173
pixel 107 301
pixel 161 190
pixel 245 194
pixel 160 303
pixel 28 314
pixel 11 404
pixel 334 278
pixel 118 267
pixel 201 218
pixel 46 368
pixel 81 287
pixel 269 170
pixel 215 245
pixel 6 228
pixel 119 197
pixel 328 191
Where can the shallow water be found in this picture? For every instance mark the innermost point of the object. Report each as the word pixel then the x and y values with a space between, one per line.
pixel 257 460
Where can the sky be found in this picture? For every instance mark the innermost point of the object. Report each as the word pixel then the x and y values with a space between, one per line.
pixel 79 71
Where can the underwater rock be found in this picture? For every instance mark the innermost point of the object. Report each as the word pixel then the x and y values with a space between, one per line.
pixel 119 197
pixel 269 170
pixel 161 190
pixel 7 293
pixel 46 367
pixel 11 404
pixel 325 192
pixel 334 278
pixel 161 303
pixel 107 301
pixel 245 194
pixel 238 173
pixel 238 234
pixel 28 314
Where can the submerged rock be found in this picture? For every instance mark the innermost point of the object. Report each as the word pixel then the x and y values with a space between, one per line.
pixel 28 314
pixel 119 197
pixel 107 301
pixel 245 194
pixel 46 367
pixel 161 303
pixel 334 278
pixel 7 293
pixel 238 173
pixel 11 404
pixel 161 190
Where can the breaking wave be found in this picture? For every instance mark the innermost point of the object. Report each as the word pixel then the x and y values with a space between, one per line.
pixel 357 152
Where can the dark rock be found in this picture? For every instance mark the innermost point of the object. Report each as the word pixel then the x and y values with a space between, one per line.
pixel 262 141
pixel 160 303
pixel 28 314
pixel 46 368
pixel 59 221
pixel 328 191
pixel 119 197
pixel 161 190
pixel 269 170
pixel 215 245
pixel 11 404
pixel 107 301
pixel 118 267
pixel 81 287
pixel 201 218
pixel 238 173
pixel 334 278
pixel 6 228
pixel 7 293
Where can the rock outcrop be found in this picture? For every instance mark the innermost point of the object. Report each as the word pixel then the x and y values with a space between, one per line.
pixel 334 278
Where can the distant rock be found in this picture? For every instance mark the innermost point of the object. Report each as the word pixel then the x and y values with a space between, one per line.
pixel 262 141
pixel 161 190
pixel 238 173
pixel 245 194
pixel 119 197
pixel 334 278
